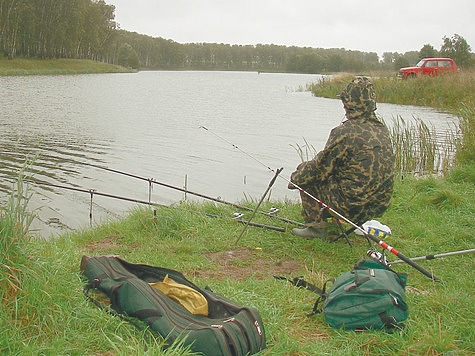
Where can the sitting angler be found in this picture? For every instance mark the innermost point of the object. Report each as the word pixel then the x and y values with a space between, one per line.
pixel 354 173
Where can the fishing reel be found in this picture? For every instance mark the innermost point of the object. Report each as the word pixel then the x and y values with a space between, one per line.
pixel 274 211
pixel 237 216
pixel 378 256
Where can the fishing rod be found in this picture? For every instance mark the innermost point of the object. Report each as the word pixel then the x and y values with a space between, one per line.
pixel 431 257
pixel 335 213
pixel 93 192
pixel 153 181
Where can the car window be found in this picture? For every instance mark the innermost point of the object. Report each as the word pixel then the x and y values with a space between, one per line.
pixel 431 64
pixel 420 63
pixel 444 64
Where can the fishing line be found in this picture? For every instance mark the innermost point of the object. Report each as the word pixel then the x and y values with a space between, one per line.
pixel 240 150
pixel 324 206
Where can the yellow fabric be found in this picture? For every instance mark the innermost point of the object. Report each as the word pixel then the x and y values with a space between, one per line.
pixel 190 299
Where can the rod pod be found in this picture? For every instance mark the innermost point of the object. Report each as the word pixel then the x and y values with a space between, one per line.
pixel 186 191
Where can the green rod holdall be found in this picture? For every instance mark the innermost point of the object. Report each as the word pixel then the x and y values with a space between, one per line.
pixel 229 329
pixel 371 296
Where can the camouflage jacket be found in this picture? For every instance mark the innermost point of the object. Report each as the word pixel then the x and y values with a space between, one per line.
pixel 356 165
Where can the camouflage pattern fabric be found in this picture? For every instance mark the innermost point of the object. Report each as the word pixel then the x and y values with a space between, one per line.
pixel 354 173
pixel 359 99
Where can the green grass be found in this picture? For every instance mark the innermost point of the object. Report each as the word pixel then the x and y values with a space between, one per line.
pixel 49 314
pixel 29 66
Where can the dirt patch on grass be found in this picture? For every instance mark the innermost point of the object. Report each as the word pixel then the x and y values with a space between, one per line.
pixel 108 243
pixel 244 262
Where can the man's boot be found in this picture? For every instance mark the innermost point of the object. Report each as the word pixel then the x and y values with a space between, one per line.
pixel 318 231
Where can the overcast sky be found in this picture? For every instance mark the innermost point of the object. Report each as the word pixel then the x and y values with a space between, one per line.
pixel 366 25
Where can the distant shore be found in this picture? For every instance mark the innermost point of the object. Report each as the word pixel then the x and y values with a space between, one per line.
pixel 29 66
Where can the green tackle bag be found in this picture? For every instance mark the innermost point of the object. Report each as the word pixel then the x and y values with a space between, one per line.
pixel 228 329
pixel 371 296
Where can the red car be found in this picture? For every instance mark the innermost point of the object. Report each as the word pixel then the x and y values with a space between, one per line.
pixel 428 66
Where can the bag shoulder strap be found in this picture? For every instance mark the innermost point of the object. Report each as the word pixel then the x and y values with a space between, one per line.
pixel 300 282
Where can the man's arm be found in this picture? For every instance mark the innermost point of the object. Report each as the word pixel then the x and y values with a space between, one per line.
pixel 323 165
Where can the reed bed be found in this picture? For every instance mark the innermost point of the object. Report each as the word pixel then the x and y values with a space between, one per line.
pixel 419 149
pixel 466 145
pixel 444 92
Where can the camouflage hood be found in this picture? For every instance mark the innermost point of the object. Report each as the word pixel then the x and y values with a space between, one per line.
pixel 359 99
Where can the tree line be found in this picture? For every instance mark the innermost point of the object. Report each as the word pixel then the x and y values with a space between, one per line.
pixel 158 53
pixel 86 29
pixel 57 29
pixel 455 47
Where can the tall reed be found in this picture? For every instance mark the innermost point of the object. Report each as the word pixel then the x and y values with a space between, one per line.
pixel 306 152
pixel 15 222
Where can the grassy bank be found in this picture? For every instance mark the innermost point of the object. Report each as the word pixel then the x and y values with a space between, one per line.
pixel 48 314
pixel 24 66
pixel 444 92
pixel 44 311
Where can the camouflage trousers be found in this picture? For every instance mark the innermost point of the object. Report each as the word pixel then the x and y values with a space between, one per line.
pixel 315 214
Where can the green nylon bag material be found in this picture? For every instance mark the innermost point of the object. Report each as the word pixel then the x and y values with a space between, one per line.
pixel 229 329
pixel 370 296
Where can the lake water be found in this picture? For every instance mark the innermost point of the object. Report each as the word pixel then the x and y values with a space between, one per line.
pixel 148 124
